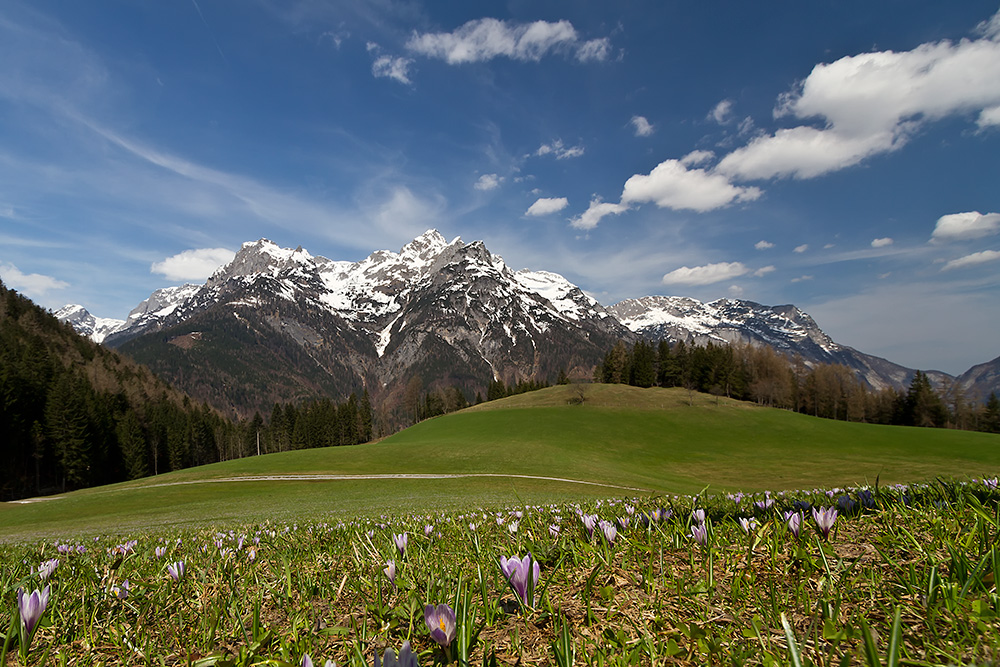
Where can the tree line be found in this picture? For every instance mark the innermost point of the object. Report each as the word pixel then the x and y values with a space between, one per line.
pixel 763 375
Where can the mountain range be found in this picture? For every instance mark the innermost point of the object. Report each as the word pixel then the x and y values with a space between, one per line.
pixel 277 324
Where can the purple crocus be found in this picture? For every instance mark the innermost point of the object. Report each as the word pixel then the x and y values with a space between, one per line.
pixel 699 532
pixel 522 574
pixel 390 571
pixel 698 515
pixel 440 621
pixel 407 658
pixel 46 569
pixel 176 570
pixel 794 520
pixel 121 592
pixel 307 661
pixel 825 519
pixel 31 607
pixel 608 530
pixel 400 541
pixel 747 524
pixel 589 522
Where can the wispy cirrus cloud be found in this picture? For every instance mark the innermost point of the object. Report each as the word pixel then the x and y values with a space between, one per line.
pixel 705 275
pixel 972 259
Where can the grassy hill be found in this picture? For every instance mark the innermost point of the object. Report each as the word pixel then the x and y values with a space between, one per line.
pixel 656 440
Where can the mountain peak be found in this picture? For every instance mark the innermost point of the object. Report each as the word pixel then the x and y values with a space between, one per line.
pixel 427 245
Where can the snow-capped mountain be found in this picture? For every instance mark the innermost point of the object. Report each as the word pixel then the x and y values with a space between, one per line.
pixel 276 324
pixel 85 324
pixel 981 380
pixel 733 321
pixel 437 310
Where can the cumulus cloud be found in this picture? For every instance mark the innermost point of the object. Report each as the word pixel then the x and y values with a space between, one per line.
pixel 488 182
pixel 484 39
pixel 763 245
pixel 673 185
pixel 560 151
pixel 547 206
pixel 390 67
pixel 642 127
pixel 197 264
pixel 989 117
pixel 34 285
pixel 962 226
pixel 705 275
pixel 596 212
pixel 881 243
pixel 973 259
pixel 873 103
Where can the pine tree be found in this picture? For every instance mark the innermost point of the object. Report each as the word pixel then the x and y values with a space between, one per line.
pixel 991 415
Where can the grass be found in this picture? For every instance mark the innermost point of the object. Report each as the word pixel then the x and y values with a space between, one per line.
pixel 907 580
pixel 660 440
pixel 278 570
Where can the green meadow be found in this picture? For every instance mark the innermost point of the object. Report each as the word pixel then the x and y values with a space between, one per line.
pixel 538 447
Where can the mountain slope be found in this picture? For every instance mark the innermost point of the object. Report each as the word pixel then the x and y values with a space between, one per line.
pixel 981 380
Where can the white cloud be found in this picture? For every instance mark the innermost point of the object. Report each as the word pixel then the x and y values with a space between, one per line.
pixel 989 117
pixel 560 151
pixel 643 128
pixel 763 245
pixel 962 226
pixel 595 212
pixel 547 206
pixel 390 67
pixel 672 185
pixel 33 285
pixel 695 158
pixel 488 182
pixel 872 103
pixel 764 270
pixel 484 39
pixel 881 243
pixel 197 264
pixel 705 275
pixel 801 279
pixel 722 112
pixel 735 291
pixel 973 259
pixel 801 248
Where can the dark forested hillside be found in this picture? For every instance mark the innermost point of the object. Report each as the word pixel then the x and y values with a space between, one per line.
pixel 74 414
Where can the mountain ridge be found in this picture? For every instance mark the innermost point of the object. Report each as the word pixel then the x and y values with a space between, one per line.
pixel 449 312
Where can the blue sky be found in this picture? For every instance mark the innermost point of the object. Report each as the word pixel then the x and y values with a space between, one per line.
pixel 842 156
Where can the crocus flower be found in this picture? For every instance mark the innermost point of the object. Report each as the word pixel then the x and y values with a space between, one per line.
pixel 794 522
pixel 160 552
pixel 825 519
pixel 512 527
pixel 407 658
pixel 440 621
pixel 176 570
pixel 522 575
pixel 747 524
pixel 121 592
pixel 554 530
pixel 307 661
pixel 589 522
pixel 698 515
pixel 46 569
pixel 390 571
pixel 428 529
pixel 400 541
pixel 608 530
pixel 699 532
pixel 31 607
